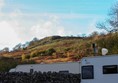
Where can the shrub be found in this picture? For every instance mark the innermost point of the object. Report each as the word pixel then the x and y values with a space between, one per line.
pixel 33 54
pixel 77 56
pixel 50 51
pixel 23 57
pixel 28 62
pixel 7 63
pixel 42 53
pixel 27 56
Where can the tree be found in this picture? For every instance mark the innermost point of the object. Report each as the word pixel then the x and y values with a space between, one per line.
pixel 35 39
pixel 6 49
pixel 17 47
pixel 93 34
pixel 111 24
pixel 102 25
pixel 83 35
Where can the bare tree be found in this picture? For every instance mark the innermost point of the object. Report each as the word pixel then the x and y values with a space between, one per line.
pixel 111 24
pixel 17 47
pixel 113 20
pixel 93 34
pixel 6 49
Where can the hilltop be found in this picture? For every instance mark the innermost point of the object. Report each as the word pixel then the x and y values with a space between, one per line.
pixel 52 48
pixel 62 49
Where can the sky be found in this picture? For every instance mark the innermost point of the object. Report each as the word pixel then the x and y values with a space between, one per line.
pixel 22 20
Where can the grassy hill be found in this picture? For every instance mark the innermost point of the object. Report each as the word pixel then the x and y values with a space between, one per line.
pixel 62 49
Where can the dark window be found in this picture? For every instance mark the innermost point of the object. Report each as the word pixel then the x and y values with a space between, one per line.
pixel 110 69
pixel 87 72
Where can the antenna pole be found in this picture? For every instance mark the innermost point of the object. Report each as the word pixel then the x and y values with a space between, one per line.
pixel 94 48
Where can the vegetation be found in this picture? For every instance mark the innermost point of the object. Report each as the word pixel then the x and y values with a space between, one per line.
pixel 62 49
pixel 7 63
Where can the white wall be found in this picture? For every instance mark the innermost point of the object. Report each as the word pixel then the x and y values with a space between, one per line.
pixel 72 67
pixel 98 63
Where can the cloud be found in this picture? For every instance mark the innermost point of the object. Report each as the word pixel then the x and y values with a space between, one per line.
pixel 8 38
pixel 28 27
pixel 48 27
pixel 92 27
pixel 17 26
pixel 64 15
pixel 2 3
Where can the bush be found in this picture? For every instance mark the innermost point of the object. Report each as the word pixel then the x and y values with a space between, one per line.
pixel 50 51
pixel 7 63
pixel 77 57
pixel 109 42
pixel 33 54
pixel 27 56
pixel 28 62
pixel 42 53
pixel 23 57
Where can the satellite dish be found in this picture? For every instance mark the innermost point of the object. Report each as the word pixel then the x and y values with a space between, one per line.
pixel 104 51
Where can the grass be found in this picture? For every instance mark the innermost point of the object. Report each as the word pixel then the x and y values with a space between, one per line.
pixel 67 48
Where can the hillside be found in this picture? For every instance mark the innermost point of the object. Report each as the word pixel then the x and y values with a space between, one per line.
pixel 63 49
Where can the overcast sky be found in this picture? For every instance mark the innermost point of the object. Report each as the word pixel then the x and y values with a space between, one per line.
pixel 22 20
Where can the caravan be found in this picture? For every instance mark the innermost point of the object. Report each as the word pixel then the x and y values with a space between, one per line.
pixel 65 67
pixel 99 69
pixel 96 69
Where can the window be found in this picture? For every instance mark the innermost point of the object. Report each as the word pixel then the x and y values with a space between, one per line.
pixel 110 69
pixel 87 72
